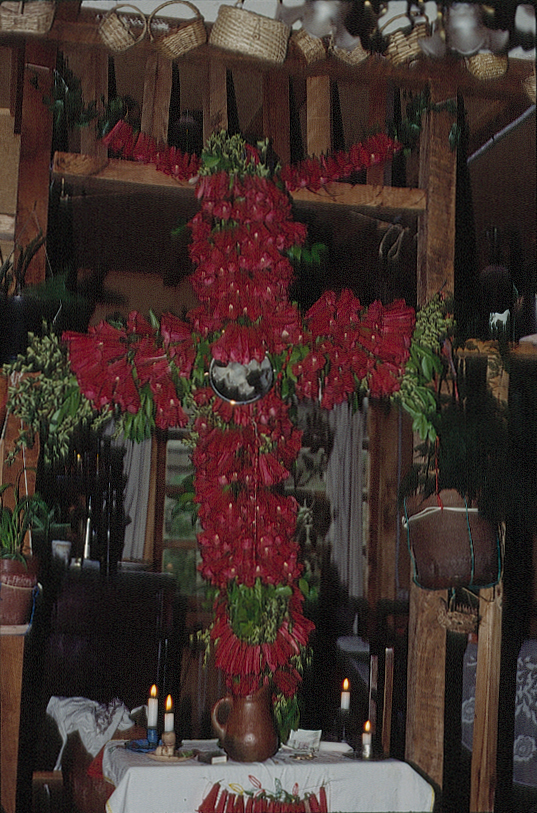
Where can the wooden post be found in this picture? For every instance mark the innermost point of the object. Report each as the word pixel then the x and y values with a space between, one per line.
pixel 215 99
pixel 487 692
pixel 36 145
pixel 90 65
pixel 156 100
pixel 376 118
pixel 318 115
pixel 426 638
pixel 12 640
pixel 390 450
pixel 426 683
pixel 276 121
pixel 436 230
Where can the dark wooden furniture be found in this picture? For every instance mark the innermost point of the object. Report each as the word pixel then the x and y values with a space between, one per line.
pixel 102 638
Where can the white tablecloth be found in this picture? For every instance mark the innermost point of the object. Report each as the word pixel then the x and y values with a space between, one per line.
pixel 525 742
pixel 144 785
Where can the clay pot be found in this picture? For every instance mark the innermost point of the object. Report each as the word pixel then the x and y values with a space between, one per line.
pixel 17 582
pixel 245 726
pixel 453 546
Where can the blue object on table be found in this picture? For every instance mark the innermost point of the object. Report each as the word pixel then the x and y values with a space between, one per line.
pixel 141 746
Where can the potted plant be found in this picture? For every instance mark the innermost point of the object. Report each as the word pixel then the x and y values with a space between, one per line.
pixel 24 308
pixel 453 498
pixel 18 569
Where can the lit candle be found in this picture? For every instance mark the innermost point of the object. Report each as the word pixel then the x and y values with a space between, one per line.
pixel 366 740
pixel 168 716
pixel 345 696
pixel 152 708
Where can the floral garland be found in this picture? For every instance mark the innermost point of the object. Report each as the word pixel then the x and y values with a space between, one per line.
pixel 312 173
pixel 152 373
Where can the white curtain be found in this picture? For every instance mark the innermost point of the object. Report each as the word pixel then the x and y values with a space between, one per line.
pixel 137 471
pixel 344 488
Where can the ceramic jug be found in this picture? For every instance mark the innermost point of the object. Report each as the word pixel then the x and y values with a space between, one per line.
pixel 245 726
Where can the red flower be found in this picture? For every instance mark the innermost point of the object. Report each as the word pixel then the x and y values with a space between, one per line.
pixel 239 343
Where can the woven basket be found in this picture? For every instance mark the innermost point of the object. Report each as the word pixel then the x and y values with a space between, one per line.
pixel 529 86
pixel 354 57
pixel 28 18
pixel 118 33
pixel 463 620
pixel 487 66
pixel 250 34
pixel 183 38
pixel 311 49
pixel 403 44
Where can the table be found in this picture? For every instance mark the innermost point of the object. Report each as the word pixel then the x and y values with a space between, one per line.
pixel 144 785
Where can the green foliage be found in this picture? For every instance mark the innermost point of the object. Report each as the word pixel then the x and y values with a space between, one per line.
pixel 417 395
pixel 256 613
pixel 407 132
pixel 49 402
pixel 468 447
pixel 13 271
pixel 67 103
pixel 17 521
pixel 230 153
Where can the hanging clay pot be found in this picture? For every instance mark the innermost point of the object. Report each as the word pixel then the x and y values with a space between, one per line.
pixel 245 726
pixel 450 543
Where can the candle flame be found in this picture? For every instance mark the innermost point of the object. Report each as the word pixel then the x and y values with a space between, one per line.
pixel 169 703
pixel 367 726
pixel 346 685
pixel 153 691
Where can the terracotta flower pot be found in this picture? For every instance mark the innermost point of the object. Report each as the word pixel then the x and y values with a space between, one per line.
pixel 451 545
pixel 17 582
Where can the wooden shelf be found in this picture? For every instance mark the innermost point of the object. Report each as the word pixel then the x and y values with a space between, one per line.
pixel 99 176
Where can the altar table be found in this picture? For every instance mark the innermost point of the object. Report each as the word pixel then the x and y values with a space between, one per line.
pixel 144 785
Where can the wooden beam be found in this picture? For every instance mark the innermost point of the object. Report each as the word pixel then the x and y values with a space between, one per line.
pixel 376 120
pixel 156 101
pixel 276 116
pixel 487 693
pixel 12 641
pixel 436 231
pixel 91 66
pixel 215 99
pixel 424 744
pixel 35 151
pixel 318 115
pixel 79 169
pixel 390 450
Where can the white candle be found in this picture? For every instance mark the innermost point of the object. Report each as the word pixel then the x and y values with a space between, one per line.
pixel 169 722
pixel 152 708
pixel 345 696
pixel 366 740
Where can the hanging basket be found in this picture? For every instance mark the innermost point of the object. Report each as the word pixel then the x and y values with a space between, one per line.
pixel 403 44
pixel 250 34
pixel 310 49
pixel 182 38
pixel 354 57
pixel 529 86
pixel 451 544
pixel 27 18
pixel 487 66
pixel 119 32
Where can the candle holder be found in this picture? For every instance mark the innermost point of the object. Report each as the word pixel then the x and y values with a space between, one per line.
pixel 367 750
pixel 343 722
pixel 152 736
